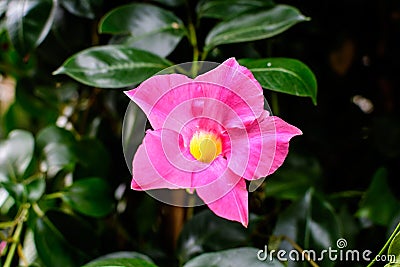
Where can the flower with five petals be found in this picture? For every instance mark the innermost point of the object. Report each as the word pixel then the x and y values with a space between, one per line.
pixel 210 135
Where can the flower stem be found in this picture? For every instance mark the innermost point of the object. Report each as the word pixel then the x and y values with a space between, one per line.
pixel 192 36
pixel 193 40
pixel 299 249
pixel 54 195
pixel 38 210
pixel 32 178
pixel 4 225
pixel 17 234
pixel 386 244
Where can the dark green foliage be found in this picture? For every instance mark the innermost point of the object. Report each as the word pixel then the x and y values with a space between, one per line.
pixel 65 197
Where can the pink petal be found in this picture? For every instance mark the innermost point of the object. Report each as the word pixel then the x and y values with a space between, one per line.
pixel 267 143
pixel 212 173
pixel 162 161
pixel 199 99
pixel 284 132
pixel 230 204
pixel 230 85
pixel 145 177
pixel 150 91
pixel 242 83
pixel 214 119
pixel 153 168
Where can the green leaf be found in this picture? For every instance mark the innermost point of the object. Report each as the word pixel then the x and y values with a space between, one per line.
pixel 255 26
pixel 16 153
pixel 16 190
pixel 233 257
pixel 35 107
pixel 146 224
pixel 144 27
pixel 207 232
pixel 51 245
pixel 83 8
pixel 93 159
pixel 292 180
pixel 58 149
pixel 112 66
pixel 121 262
pixel 58 157
pixel 284 75
pixel 36 188
pixel 28 22
pixel 379 204
pixel 311 223
pixel 78 233
pixel 226 9
pixel 123 255
pixel 54 134
pixel 90 196
pixel 394 249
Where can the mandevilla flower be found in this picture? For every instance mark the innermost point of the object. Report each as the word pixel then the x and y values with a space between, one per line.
pixel 210 134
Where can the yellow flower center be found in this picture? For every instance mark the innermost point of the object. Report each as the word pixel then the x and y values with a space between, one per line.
pixel 205 147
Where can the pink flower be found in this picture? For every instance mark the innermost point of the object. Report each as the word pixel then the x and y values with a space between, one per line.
pixel 209 135
pixel 3 245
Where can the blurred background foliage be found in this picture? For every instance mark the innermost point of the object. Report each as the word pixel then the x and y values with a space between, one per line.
pixel 64 195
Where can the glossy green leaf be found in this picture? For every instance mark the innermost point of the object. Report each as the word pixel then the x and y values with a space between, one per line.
pixel 311 222
pixel 54 134
pixel 207 232
pixel 16 153
pixel 284 75
pixel 144 27
pixel 16 190
pixel 83 8
pixel 123 255
pixel 58 157
pixel 29 248
pixel 226 9
pixel 36 188
pixel 394 249
pixel 112 66
pixel 255 26
pixel 51 245
pixel 28 22
pixel 379 204
pixel 90 196
pixel 121 262
pixel 233 257
pixel 58 148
